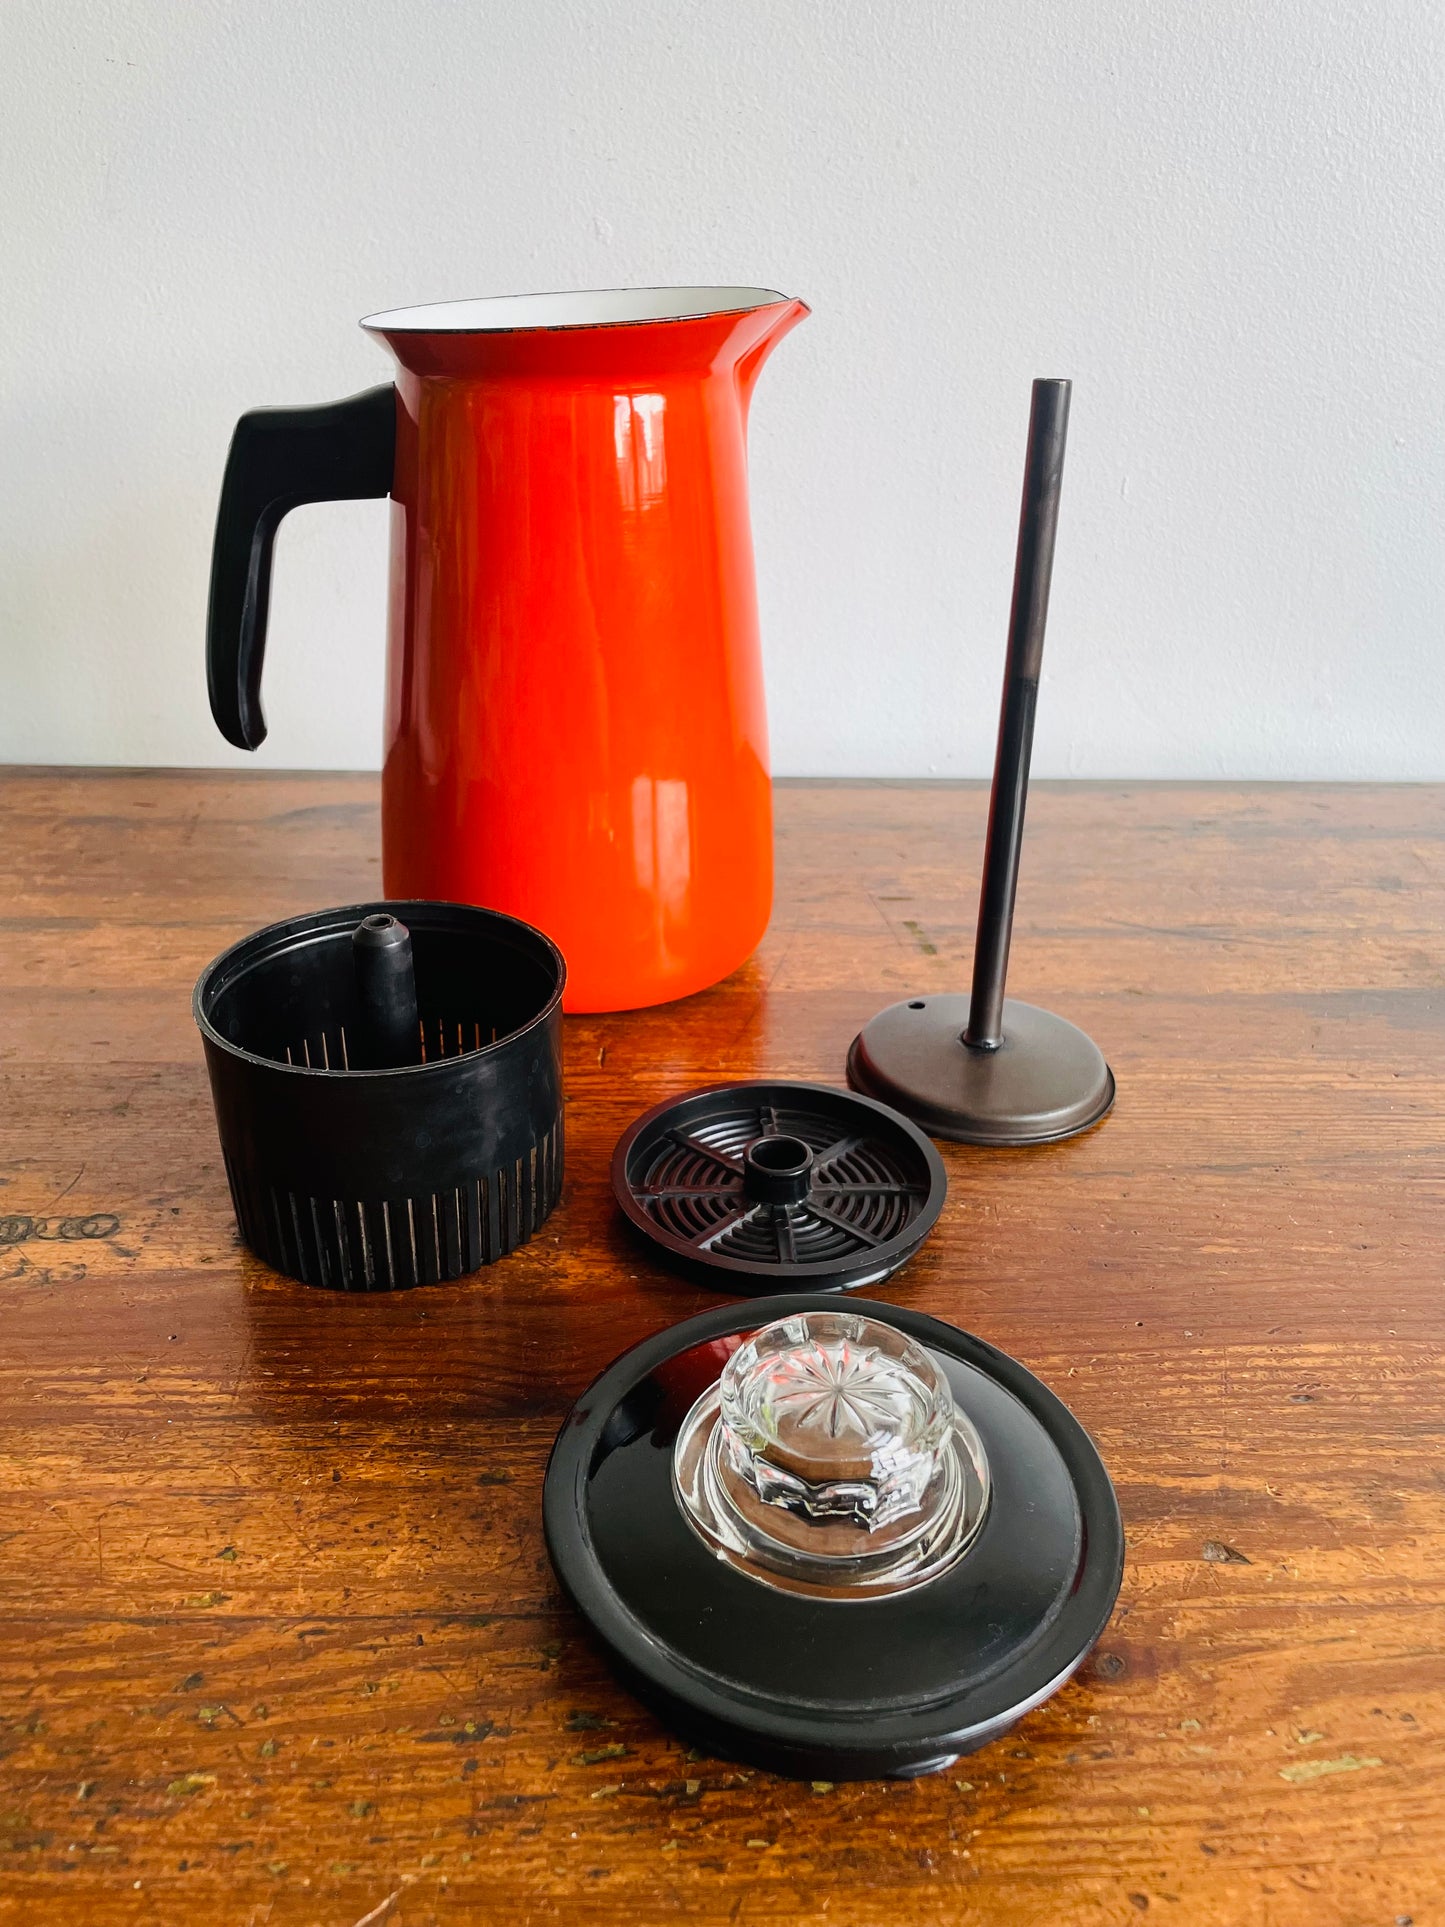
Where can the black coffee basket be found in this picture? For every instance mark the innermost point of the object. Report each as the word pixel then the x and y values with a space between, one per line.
pixel 387 1080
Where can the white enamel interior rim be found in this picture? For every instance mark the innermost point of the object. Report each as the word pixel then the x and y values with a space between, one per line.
pixel 588 308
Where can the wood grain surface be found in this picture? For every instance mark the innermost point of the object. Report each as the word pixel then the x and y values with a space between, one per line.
pixel 278 1638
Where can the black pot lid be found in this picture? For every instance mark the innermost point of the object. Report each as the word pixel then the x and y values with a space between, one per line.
pixel 755 1187
pixel 840 1540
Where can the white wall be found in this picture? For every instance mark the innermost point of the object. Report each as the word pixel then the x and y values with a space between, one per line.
pixel 1223 220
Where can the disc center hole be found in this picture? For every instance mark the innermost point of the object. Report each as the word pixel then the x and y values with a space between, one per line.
pixel 785 1155
pixel 776 1169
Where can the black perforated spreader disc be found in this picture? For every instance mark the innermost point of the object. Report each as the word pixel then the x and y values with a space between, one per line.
pixel 756 1187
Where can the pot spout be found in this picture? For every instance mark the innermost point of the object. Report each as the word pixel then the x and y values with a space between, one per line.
pixel 776 321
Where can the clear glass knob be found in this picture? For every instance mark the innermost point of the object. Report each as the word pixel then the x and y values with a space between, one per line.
pixel 830 1458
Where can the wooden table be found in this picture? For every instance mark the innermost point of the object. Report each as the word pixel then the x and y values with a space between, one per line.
pixel 278 1638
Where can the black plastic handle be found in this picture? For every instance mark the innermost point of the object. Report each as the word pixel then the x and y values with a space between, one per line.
pixel 279 458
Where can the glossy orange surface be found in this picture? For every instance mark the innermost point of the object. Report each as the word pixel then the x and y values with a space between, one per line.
pixel 575 725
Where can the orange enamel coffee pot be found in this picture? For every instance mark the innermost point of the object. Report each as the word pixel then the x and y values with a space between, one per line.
pixel 575 729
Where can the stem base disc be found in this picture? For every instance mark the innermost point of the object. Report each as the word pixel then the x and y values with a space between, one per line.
pixel 1046 1080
